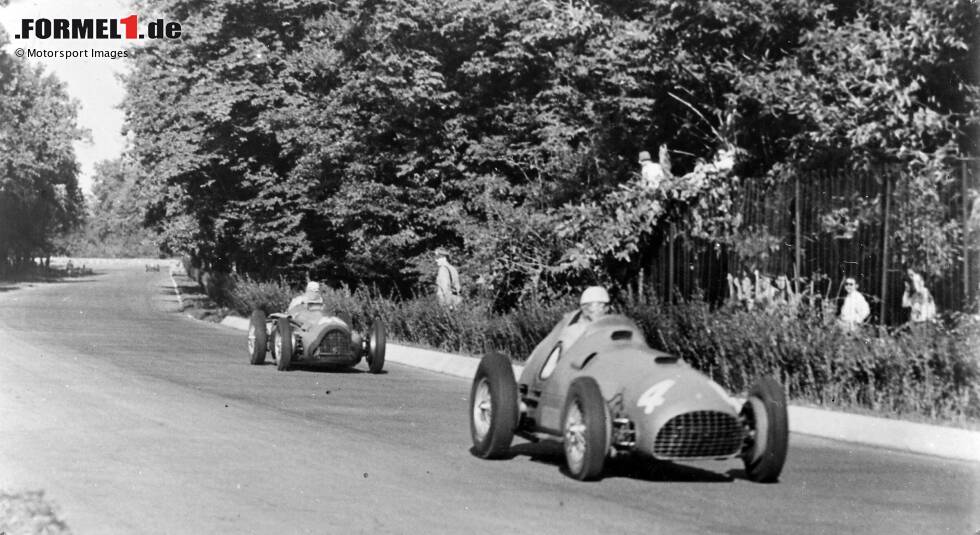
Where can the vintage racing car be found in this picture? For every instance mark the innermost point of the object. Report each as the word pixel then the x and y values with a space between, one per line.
pixel 313 336
pixel 609 393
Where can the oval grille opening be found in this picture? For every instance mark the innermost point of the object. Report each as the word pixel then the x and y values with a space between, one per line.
pixel 697 434
pixel 335 343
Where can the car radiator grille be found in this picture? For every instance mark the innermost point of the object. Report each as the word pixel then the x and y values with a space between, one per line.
pixel 699 434
pixel 335 343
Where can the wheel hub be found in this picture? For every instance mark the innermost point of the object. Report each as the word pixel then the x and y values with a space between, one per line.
pixel 575 445
pixel 482 409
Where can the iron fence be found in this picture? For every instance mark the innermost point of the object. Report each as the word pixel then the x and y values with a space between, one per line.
pixel 821 227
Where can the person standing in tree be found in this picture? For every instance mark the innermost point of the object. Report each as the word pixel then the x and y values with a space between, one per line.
pixel 652 175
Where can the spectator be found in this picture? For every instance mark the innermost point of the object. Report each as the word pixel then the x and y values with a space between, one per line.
pixel 855 309
pixel 742 290
pixel 652 174
pixel 448 289
pixel 917 298
pixel 783 294
pixel 764 290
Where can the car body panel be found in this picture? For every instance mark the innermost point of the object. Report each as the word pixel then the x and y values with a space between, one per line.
pixel 642 386
pixel 311 327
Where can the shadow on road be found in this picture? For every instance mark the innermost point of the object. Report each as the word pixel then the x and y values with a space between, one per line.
pixel 15 283
pixel 625 466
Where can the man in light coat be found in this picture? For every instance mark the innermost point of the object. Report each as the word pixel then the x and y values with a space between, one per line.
pixel 448 288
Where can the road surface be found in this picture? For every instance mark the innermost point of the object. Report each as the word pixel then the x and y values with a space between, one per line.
pixel 135 418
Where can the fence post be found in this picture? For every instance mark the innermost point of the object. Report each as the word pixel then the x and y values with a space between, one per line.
pixel 798 234
pixel 670 264
pixel 886 212
pixel 639 288
pixel 966 237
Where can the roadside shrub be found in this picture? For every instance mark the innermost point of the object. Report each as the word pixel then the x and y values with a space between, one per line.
pixel 248 294
pixel 930 370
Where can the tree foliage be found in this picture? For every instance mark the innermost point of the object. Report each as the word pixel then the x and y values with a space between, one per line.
pixel 346 140
pixel 114 222
pixel 39 195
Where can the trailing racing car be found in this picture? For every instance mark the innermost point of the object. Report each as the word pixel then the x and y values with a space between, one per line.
pixel 309 335
pixel 609 393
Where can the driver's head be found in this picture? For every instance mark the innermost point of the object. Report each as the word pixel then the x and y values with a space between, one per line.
pixel 312 295
pixel 594 302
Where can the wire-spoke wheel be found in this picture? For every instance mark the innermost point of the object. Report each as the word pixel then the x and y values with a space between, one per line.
pixel 585 430
pixel 493 407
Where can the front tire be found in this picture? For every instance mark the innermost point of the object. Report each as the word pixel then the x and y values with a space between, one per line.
pixel 283 342
pixel 765 414
pixel 257 338
pixel 377 340
pixel 493 407
pixel 584 430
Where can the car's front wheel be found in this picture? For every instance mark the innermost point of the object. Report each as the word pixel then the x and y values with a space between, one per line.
pixel 257 338
pixel 765 417
pixel 493 407
pixel 377 340
pixel 585 430
pixel 283 343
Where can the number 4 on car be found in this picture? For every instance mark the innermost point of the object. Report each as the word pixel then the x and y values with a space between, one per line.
pixel 610 394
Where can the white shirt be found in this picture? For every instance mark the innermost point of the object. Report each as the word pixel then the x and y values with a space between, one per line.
pixel 855 308
pixel 652 174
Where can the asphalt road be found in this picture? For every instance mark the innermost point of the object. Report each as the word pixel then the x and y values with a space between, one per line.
pixel 137 419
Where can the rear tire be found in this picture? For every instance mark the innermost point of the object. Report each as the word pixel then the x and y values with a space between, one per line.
pixel 493 407
pixel 257 338
pixel 377 340
pixel 283 341
pixel 765 413
pixel 584 430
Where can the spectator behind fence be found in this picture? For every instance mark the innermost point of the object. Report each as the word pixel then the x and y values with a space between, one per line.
pixel 917 298
pixel 855 309
pixel 448 288
pixel 742 290
pixel 784 294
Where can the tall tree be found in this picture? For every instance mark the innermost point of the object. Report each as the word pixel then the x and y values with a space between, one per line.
pixel 39 195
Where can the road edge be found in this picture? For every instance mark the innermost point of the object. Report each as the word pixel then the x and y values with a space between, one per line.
pixel 911 437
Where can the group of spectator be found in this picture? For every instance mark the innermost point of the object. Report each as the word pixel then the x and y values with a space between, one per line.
pixel 763 292
pixel 774 294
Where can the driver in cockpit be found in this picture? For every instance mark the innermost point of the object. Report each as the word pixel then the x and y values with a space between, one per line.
pixel 593 305
pixel 310 300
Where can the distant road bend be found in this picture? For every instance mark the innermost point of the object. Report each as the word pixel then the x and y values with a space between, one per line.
pixel 137 419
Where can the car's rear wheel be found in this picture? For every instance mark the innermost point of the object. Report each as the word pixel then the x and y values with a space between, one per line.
pixel 493 407
pixel 585 430
pixel 257 338
pixel 377 340
pixel 283 342
pixel 765 415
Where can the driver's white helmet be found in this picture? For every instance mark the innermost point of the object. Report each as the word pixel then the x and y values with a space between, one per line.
pixel 594 294
pixel 312 294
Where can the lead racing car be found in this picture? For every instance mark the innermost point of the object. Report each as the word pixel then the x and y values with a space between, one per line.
pixel 609 393
pixel 308 334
